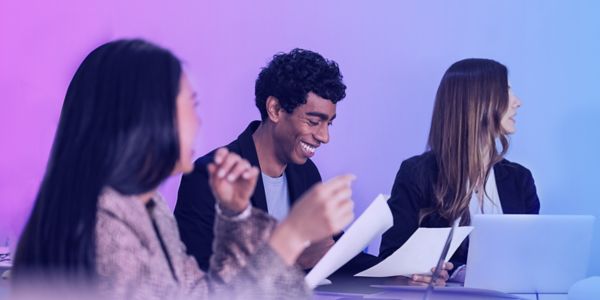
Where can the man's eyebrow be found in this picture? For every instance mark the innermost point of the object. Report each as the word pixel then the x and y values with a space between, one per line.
pixel 320 115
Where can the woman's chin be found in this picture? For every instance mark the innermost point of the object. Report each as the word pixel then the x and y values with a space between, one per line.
pixel 182 168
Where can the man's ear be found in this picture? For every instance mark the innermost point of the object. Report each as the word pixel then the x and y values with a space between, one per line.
pixel 274 109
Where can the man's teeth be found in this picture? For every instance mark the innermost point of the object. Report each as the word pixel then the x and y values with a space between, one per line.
pixel 307 147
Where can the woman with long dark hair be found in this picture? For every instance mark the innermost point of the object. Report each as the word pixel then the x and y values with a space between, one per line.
pixel 127 123
pixel 464 171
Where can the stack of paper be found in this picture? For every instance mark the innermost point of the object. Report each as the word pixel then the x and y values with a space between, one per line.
pixel 419 254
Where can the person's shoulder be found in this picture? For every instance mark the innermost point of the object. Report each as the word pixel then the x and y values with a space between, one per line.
pixel 119 206
pixel 421 162
pixel 201 164
pixel 511 167
pixel 120 215
pixel 418 169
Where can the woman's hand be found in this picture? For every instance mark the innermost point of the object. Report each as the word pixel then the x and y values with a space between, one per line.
pixel 232 180
pixel 418 279
pixel 321 212
pixel 311 255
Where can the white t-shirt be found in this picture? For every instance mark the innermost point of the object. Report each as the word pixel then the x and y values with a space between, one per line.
pixel 491 200
pixel 277 195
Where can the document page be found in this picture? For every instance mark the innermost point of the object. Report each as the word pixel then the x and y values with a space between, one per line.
pixel 419 254
pixel 375 220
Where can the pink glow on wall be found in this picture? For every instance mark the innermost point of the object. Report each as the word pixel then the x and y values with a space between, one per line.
pixel 392 55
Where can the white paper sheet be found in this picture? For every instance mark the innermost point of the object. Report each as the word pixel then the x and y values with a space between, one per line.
pixel 375 220
pixel 419 254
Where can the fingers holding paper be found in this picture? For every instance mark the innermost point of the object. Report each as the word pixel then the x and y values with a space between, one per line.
pixel 443 276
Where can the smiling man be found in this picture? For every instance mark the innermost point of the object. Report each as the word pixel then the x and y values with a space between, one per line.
pixel 296 95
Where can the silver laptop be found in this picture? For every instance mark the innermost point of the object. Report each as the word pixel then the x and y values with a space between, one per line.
pixel 528 253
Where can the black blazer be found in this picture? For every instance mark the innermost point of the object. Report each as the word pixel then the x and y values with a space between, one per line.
pixel 413 191
pixel 195 208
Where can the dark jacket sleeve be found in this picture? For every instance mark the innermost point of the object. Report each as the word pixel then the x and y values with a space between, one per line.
pixel 405 204
pixel 529 193
pixel 195 213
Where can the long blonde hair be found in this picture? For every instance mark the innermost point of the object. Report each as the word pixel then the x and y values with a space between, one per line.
pixel 471 99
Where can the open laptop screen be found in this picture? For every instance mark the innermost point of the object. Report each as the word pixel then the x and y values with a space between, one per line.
pixel 528 253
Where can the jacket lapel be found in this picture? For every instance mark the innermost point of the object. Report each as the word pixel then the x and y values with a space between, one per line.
pixel 248 152
pixel 506 190
pixel 295 187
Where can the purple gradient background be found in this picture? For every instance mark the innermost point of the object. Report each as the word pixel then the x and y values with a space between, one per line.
pixel 392 55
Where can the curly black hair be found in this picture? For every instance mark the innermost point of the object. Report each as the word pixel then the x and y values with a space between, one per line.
pixel 289 77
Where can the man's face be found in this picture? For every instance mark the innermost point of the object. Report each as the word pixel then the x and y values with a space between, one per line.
pixel 300 133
